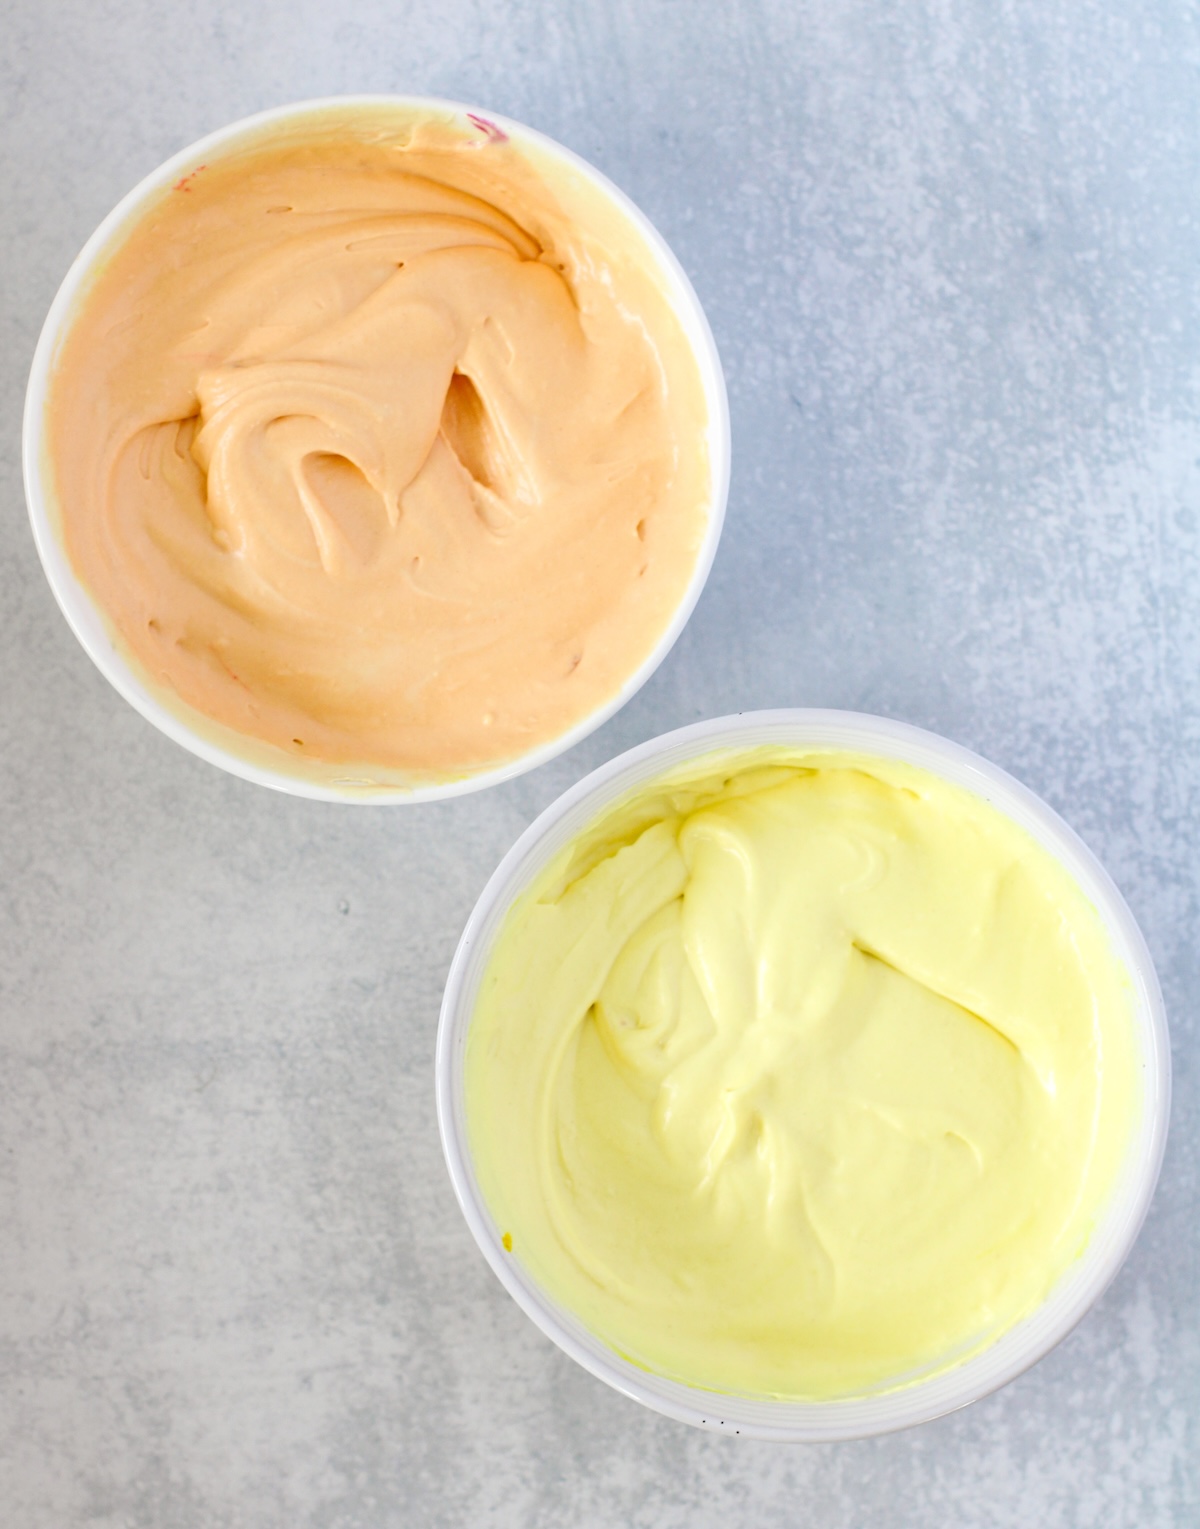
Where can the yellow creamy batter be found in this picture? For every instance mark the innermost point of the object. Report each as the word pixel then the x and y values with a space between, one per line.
pixel 379 440
pixel 800 1074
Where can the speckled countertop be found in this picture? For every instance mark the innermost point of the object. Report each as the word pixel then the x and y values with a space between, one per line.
pixel 951 256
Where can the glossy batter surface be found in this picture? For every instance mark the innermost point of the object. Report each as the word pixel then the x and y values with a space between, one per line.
pixel 800 1075
pixel 380 444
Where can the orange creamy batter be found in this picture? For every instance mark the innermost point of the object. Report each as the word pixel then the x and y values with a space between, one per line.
pixel 383 446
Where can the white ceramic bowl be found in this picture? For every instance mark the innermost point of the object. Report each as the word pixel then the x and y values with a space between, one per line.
pixel 1016 1349
pixel 222 746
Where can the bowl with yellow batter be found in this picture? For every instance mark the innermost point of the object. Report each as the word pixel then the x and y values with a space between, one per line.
pixel 376 448
pixel 803 1075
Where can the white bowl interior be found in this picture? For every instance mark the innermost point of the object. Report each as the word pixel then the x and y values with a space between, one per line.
pixel 222 746
pixel 1016 1349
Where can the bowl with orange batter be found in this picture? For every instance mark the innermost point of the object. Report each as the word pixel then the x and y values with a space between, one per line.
pixel 376 448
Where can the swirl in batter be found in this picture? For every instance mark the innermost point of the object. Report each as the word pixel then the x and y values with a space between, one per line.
pixel 382 446
pixel 800 1074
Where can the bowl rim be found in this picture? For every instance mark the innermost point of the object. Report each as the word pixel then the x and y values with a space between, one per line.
pixel 1074 1293
pixel 250 759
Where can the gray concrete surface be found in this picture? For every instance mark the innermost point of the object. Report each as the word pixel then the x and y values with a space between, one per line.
pixel 950 257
